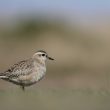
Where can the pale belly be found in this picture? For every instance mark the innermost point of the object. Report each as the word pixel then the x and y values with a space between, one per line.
pixel 38 76
pixel 30 79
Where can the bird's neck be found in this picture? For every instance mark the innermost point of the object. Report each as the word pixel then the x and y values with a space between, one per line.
pixel 40 62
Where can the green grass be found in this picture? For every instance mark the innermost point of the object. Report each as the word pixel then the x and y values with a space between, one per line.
pixel 54 99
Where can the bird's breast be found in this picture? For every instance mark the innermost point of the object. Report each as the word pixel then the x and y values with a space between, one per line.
pixel 39 73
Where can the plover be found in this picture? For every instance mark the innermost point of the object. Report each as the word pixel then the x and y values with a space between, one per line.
pixel 27 72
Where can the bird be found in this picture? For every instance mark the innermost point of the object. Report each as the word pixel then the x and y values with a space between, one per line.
pixel 27 72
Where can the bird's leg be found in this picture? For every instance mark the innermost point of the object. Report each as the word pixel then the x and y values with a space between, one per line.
pixel 22 87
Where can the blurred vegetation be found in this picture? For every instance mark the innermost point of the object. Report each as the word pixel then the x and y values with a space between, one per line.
pixel 55 99
pixel 82 55
pixel 79 78
pixel 28 28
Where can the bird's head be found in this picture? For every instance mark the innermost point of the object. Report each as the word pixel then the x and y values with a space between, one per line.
pixel 41 56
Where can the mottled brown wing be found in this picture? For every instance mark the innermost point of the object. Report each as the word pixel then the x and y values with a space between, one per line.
pixel 21 68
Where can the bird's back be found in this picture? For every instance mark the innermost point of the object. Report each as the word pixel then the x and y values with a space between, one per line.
pixel 22 68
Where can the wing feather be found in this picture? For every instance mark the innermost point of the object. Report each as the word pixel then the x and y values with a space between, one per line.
pixel 21 68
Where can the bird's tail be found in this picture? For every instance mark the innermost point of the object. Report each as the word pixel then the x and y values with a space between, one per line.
pixel 2 75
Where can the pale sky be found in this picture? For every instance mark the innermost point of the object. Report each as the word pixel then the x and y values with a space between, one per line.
pixel 81 7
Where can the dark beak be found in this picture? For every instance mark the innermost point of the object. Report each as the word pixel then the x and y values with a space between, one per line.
pixel 50 58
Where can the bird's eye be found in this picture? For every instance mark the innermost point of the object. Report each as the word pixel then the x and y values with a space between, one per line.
pixel 43 54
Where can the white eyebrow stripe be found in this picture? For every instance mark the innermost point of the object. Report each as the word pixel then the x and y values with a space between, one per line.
pixel 38 53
